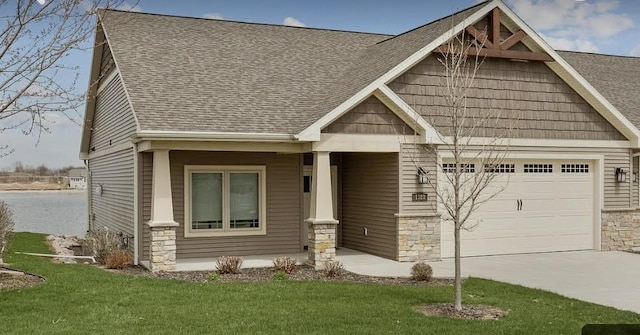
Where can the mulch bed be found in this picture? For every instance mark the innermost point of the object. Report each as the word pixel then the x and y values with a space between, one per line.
pixel 468 312
pixel 302 273
pixel 12 280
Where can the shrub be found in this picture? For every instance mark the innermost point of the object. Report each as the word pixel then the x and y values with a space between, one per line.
pixel 118 259
pixel 280 275
pixel 287 264
pixel 214 276
pixel 421 272
pixel 6 228
pixel 333 269
pixel 100 243
pixel 230 264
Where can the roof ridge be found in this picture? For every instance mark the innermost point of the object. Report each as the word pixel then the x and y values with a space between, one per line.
pixel 436 20
pixel 598 54
pixel 244 22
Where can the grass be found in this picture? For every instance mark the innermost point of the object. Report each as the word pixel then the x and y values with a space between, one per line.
pixel 81 299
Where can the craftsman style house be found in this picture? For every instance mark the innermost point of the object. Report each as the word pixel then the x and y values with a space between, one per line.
pixel 207 137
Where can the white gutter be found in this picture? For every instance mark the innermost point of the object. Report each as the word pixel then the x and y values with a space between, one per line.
pixel 206 135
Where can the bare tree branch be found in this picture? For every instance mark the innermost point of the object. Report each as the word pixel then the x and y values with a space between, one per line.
pixel 37 76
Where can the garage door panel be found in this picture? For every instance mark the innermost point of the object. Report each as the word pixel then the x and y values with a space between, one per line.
pixel 556 214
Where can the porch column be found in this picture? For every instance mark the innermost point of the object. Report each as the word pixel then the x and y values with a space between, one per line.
pixel 162 254
pixel 322 224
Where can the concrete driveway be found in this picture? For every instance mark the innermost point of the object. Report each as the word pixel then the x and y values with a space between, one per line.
pixel 609 278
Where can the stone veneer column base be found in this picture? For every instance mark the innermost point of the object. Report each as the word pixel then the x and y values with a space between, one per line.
pixel 162 256
pixel 322 243
pixel 418 238
pixel 620 230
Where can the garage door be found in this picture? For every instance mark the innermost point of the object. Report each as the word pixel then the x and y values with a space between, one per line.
pixel 545 206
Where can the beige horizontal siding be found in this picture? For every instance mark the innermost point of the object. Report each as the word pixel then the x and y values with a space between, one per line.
pixel 370 199
pixel 113 121
pixel 114 208
pixel 107 64
pixel 369 117
pixel 283 205
pixel 522 100
pixel 412 158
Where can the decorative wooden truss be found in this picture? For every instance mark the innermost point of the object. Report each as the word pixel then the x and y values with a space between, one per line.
pixel 494 46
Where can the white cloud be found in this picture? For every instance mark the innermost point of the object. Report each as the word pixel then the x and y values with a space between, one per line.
pixel 559 43
pixel 213 16
pixel 290 21
pixel 129 7
pixel 574 25
pixel 635 51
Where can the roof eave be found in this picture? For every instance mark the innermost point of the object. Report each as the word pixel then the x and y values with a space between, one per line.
pixel 145 135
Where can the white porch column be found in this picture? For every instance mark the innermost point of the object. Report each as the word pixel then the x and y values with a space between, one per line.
pixel 322 224
pixel 162 254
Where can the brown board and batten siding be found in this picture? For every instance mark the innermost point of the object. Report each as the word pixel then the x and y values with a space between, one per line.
pixel 113 208
pixel 370 200
pixel 635 179
pixel 414 157
pixel 113 121
pixel 369 117
pixel 144 214
pixel 532 101
pixel 283 205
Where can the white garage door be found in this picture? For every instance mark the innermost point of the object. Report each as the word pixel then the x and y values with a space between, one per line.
pixel 556 211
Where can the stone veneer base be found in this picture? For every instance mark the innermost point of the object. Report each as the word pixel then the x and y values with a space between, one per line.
pixel 418 238
pixel 322 244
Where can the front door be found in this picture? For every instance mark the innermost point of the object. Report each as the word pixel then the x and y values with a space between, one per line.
pixel 306 182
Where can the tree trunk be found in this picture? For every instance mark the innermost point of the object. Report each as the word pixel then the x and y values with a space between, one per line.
pixel 458 276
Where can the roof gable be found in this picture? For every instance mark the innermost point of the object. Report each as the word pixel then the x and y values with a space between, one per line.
pixel 459 22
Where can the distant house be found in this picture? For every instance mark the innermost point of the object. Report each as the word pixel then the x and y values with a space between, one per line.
pixel 78 179
pixel 206 138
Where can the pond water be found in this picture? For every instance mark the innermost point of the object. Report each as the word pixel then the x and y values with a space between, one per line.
pixel 50 212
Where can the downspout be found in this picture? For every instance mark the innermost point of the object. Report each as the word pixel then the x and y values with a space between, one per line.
pixel 135 204
pixel 89 189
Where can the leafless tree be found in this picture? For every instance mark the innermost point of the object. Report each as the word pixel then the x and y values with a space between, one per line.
pixel 467 179
pixel 38 82
pixel 6 228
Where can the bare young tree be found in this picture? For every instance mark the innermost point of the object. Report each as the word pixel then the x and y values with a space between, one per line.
pixel 37 79
pixel 6 228
pixel 467 178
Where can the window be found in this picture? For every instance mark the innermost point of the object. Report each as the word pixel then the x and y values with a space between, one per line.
pixel 224 200
pixel 538 168
pixel 500 168
pixel 574 168
pixel 451 168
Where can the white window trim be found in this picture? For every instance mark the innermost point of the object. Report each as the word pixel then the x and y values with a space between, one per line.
pixel 225 170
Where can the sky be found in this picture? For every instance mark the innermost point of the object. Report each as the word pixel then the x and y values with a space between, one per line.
pixel 601 26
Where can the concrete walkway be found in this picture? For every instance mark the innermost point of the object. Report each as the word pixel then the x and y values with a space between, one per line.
pixel 607 278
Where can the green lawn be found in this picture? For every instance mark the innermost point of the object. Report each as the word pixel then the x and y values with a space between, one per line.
pixel 80 299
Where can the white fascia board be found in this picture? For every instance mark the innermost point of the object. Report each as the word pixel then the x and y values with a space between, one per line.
pixel 428 133
pixel 312 133
pixel 629 128
pixel 532 142
pixel 207 136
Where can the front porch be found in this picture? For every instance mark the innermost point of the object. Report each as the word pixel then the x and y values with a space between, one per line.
pixel 200 204
pixel 353 260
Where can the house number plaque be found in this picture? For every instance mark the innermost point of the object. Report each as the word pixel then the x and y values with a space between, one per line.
pixel 419 197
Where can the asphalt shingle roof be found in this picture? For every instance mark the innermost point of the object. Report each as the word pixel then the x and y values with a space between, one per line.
pixel 617 78
pixel 210 75
pixel 190 74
